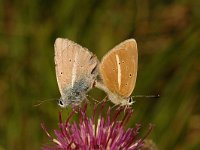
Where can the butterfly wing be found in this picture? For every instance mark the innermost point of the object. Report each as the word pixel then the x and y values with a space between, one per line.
pixel 73 62
pixel 118 68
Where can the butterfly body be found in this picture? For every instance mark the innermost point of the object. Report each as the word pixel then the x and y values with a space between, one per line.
pixel 73 96
pixel 114 97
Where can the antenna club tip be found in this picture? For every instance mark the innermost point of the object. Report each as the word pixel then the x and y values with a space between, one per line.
pixel 158 96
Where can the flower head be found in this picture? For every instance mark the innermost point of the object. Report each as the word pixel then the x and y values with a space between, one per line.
pixel 105 134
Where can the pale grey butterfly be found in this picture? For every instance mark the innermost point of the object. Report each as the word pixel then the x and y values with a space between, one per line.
pixel 76 71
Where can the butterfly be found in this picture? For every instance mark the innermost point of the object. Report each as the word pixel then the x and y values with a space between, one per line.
pixel 76 71
pixel 118 72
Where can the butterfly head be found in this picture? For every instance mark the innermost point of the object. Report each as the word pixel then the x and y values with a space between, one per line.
pixel 73 99
pixel 127 102
pixel 64 101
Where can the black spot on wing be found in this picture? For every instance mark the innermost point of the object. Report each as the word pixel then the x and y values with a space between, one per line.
pixel 94 70
pixel 92 57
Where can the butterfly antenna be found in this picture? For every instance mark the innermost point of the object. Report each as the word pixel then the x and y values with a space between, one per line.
pixel 40 102
pixel 146 96
pixel 114 106
pixel 93 98
pixel 125 109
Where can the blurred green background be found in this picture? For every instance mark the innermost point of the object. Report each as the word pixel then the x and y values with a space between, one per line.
pixel 168 37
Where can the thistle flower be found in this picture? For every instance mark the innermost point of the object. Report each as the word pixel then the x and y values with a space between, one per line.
pixel 107 134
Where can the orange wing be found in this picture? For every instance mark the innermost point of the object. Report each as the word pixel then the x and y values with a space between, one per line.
pixel 118 68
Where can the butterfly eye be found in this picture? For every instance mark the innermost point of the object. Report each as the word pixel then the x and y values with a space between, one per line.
pixel 60 102
pixel 130 100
